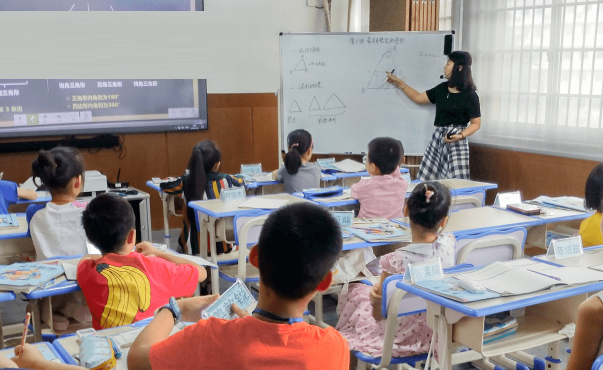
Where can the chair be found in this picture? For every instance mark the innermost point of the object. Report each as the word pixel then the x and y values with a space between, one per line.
pixel 598 364
pixel 247 233
pixel 397 303
pixel 467 199
pixel 483 248
pixel 30 212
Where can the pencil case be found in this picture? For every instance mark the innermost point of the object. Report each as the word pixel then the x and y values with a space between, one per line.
pixel 331 191
pixel 98 353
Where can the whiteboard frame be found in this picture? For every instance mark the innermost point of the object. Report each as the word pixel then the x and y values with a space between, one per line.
pixel 283 139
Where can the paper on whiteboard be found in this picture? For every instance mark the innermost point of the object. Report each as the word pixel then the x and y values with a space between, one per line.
pixel 263 203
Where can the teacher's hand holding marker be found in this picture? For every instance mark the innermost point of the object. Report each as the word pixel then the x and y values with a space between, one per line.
pixel 447 155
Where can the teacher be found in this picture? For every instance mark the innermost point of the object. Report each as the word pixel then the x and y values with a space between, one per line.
pixel 447 155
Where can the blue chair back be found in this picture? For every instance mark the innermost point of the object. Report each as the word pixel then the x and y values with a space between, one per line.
pixel 30 212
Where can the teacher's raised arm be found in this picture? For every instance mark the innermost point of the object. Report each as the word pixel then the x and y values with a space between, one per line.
pixel 457 105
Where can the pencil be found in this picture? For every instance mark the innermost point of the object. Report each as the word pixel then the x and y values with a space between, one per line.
pixel 27 318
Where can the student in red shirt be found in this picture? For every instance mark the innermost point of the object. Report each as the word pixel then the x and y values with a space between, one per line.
pixel 298 246
pixel 123 286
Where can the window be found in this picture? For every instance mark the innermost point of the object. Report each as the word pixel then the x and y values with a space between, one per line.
pixel 538 67
pixel 445 15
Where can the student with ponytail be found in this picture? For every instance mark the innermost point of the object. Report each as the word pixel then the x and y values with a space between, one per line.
pixel 200 181
pixel 359 312
pixel 57 230
pixel 298 173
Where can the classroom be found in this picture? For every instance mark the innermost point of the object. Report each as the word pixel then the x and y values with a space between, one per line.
pixel 346 72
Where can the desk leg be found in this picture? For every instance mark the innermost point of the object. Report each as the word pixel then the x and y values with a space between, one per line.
pixel 1 335
pixel 166 220
pixel 215 276
pixel 34 308
pixel 552 360
pixel 444 341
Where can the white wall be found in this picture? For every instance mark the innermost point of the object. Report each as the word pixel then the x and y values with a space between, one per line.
pixel 256 36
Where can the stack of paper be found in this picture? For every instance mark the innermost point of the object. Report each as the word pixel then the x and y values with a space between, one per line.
pixel 348 165
pixel 524 276
pixel 196 259
pixel 25 277
pixel 573 203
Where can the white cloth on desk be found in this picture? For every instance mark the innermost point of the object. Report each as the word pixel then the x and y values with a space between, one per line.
pixel 57 230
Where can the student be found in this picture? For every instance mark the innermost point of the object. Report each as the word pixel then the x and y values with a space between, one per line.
pixel 56 230
pixel 298 246
pixel 590 230
pixel 588 341
pixel 200 181
pixel 123 286
pixel 32 358
pixel 299 173
pixel 10 193
pixel 427 208
pixel 382 195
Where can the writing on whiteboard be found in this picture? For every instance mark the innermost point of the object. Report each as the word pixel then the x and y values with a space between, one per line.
pixel 376 40
pixel 312 49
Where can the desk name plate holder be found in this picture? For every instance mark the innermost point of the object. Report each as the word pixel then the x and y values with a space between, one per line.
pixel 425 270
pixel 345 219
pixel 566 247
pixel 232 194
pixel 251 169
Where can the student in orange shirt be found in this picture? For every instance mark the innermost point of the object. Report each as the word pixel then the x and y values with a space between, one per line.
pixel 298 246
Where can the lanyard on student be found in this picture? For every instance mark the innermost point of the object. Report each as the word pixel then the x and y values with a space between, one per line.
pixel 271 316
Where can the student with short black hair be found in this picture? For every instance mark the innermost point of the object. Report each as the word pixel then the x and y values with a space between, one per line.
pixel 384 193
pixel 298 247
pixel 590 230
pixel 359 309
pixel 121 285
pixel 298 173
pixel 56 230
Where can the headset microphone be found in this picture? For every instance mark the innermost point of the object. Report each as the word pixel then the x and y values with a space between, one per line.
pixel 442 77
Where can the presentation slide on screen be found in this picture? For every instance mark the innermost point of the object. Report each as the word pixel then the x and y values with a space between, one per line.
pixel 60 102
pixel 97 5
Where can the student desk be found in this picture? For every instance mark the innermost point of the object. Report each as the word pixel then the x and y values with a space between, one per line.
pixel 50 353
pixel 4 297
pixel 69 348
pixel 207 212
pixel 343 176
pixel 554 216
pixel 546 312
pixel 20 232
pixel 43 197
pixel 35 303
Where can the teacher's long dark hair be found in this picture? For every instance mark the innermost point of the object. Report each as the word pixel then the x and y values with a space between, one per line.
pixel 461 72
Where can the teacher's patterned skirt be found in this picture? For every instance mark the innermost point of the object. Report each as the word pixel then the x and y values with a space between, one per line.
pixel 445 160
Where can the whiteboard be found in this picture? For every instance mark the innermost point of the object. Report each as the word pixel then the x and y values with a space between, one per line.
pixel 333 85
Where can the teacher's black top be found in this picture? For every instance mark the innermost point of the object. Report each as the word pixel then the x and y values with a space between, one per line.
pixel 453 109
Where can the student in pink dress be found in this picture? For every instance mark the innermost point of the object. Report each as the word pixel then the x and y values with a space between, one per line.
pixel 427 207
pixel 382 195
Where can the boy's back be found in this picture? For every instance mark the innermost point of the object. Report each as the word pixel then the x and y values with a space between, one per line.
pixel 120 289
pixel 251 344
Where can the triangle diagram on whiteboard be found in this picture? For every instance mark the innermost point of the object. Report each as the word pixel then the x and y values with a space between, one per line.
pixel 301 66
pixel 386 64
pixel 314 105
pixel 333 103
pixel 294 107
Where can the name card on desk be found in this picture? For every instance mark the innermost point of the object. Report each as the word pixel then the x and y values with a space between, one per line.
pixel 325 161
pixel 504 199
pixel 426 270
pixel 345 219
pixel 232 194
pixel 566 247
pixel 251 169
